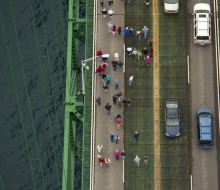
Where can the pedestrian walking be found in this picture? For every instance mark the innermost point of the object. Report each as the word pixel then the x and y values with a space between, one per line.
pixel 119 101
pixel 104 75
pixel 99 70
pixel 117 154
pixel 150 42
pixel 147 3
pixel 114 30
pixel 103 81
pixel 99 156
pixel 139 34
pixel 151 52
pixel 129 50
pixel 120 64
pixel 108 79
pixel 130 80
pixel 101 160
pixel 112 137
pixel 116 83
pixel 145 52
pixel 110 12
pixel 146 159
pixel 118 122
pixel 99 148
pixel 137 160
pixel 139 54
pixel 108 107
pixel 119 94
pixel 119 30
pixel 136 135
pixel 129 102
pixel 104 65
pixel 148 59
pixel 117 138
pixel 98 100
pixel 102 3
pixel 105 87
pixel 134 52
pixel 131 30
pixel 114 98
pixel 124 102
pixel 117 116
pixel 114 64
pixel 123 154
pixel 109 27
pixel 126 31
pixel 99 53
pixel 145 31
pixel 107 161
pixel 104 12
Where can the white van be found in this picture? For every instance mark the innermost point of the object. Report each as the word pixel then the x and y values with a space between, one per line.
pixel 202 23
pixel 171 6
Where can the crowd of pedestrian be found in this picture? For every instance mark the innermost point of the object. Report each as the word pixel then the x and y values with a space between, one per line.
pixel 145 54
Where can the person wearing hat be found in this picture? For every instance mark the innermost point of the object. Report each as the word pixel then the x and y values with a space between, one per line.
pixel 137 160
pixel 145 30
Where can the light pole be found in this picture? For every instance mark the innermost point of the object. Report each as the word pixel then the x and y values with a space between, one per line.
pixel 83 65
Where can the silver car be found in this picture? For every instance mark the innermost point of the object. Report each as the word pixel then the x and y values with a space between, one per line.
pixel 172 118
pixel 171 6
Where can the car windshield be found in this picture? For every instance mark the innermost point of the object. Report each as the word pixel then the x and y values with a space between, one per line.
pixel 205 115
pixel 171 1
pixel 202 11
pixel 172 106
pixel 202 37
pixel 172 122
pixel 205 142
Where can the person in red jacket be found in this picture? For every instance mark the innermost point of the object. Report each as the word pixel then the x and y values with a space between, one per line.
pixel 114 29
pixel 99 70
pixel 101 160
pixel 119 122
pixel 99 53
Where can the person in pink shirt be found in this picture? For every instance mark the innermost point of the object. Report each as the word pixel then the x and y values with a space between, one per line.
pixel 117 154
pixel 148 59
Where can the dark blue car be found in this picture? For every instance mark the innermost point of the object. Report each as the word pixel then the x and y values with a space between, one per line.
pixel 205 129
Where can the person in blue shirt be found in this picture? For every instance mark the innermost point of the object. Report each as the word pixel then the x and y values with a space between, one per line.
pixel 108 79
pixel 126 31
pixel 145 30
pixel 117 83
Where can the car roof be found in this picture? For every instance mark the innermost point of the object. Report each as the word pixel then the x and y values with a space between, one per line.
pixel 172 113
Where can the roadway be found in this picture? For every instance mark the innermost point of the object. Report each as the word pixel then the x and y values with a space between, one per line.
pixel 203 93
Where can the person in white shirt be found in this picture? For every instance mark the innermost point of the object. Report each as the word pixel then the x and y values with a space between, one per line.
pixel 129 50
pixel 99 147
pixel 134 52
pixel 107 161
pixel 137 160
pixel 110 12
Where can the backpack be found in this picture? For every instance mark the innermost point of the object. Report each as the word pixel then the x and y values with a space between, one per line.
pixel 104 65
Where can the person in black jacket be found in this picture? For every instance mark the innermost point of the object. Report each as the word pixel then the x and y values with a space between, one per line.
pixel 145 52
pixel 123 154
pixel 108 107
pixel 114 64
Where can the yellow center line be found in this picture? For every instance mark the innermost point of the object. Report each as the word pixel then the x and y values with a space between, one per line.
pixel 157 174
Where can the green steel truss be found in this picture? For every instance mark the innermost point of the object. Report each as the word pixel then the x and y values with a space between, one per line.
pixel 77 109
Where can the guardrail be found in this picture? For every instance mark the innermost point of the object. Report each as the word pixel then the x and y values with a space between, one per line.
pixel 93 115
pixel 217 52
